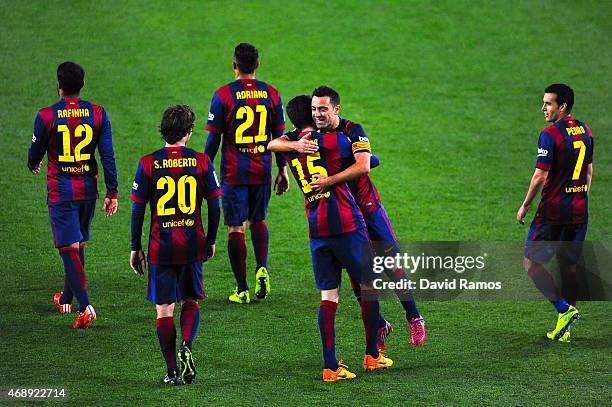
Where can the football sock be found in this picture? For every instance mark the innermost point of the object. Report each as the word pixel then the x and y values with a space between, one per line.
pixel 327 327
pixel 405 295
pixel 166 333
pixel 356 289
pixel 569 284
pixel 560 305
pixel 370 309
pixel 67 294
pixel 544 282
pixel 236 249
pixel 73 270
pixel 260 238
pixel 190 320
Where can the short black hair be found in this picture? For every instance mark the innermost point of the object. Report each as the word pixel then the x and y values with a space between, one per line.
pixel 70 77
pixel 323 91
pixel 298 110
pixel 246 57
pixel 176 123
pixel 564 93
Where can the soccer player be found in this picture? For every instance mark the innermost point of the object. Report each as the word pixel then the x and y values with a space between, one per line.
pixel 325 112
pixel 338 237
pixel 69 132
pixel 564 169
pixel 174 180
pixel 246 114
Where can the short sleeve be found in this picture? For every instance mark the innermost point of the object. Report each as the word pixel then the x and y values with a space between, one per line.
pixel 216 117
pixel 360 142
pixel 546 150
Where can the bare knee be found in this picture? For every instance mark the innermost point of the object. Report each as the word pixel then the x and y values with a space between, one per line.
pixel 332 295
pixel 237 229
pixel 164 310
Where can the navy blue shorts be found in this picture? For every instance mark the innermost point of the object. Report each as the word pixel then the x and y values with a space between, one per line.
pixel 330 254
pixel 381 232
pixel 70 221
pixel 545 241
pixel 244 202
pixel 174 282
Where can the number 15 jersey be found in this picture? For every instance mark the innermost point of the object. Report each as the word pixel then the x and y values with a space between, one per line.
pixel 248 113
pixel 174 180
pixel 69 132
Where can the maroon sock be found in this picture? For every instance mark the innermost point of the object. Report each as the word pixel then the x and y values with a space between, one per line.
pixel 166 333
pixel 236 249
pixel 370 310
pixel 190 320
pixel 327 329
pixel 260 238
pixel 544 281
pixel 569 286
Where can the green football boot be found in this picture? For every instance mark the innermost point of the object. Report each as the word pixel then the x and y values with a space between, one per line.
pixel 262 283
pixel 566 338
pixel 563 322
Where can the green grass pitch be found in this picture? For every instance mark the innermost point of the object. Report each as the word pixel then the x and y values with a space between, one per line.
pixel 449 93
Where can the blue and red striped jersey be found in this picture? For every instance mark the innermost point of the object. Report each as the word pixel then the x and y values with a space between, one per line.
pixel 335 211
pixel 174 180
pixel 565 150
pixel 248 113
pixel 362 188
pixel 69 132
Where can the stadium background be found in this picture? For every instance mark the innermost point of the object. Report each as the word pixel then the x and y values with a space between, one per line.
pixel 449 94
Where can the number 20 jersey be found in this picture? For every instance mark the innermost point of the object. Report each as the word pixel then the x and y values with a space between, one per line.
pixel 174 180
pixel 249 113
pixel 69 132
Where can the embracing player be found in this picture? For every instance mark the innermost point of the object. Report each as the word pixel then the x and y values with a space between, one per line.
pixel 69 133
pixel 325 112
pixel 564 169
pixel 245 115
pixel 338 237
pixel 174 180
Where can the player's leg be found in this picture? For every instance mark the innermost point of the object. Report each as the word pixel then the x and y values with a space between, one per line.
pixel 235 212
pixel 161 291
pixel 65 225
pixel 259 198
pixel 326 273
pixel 354 252
pixel 191 290
pixel 86 211
pixel 540 247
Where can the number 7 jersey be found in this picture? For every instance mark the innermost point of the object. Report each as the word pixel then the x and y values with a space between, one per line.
pixel 69 132
pixel 174 180
pixel 248 113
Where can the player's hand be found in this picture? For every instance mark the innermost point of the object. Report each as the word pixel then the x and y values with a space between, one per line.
pixel 520 215
pixel 305 146
pixel 209 251
pixel 321 183
pixel 36 170
pixel 138 262
pixel 281 183
pixel 109 207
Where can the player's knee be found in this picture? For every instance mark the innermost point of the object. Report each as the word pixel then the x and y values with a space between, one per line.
pixel 164 310
pixel 72 246
pixel 330 295
pixel 526 264
pixel 82 245
pixel 256 224
pixel 237 229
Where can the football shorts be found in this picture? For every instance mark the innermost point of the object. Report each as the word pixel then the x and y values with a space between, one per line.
pixel 244 202
pixel 70 221
pixel 545 241
pixel 171 283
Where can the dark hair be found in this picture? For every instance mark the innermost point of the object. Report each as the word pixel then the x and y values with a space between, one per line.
pixel 246 57
pixel 176 123
pixel 298 110
pixel 323 91
pixel 564 93
pixel 70 77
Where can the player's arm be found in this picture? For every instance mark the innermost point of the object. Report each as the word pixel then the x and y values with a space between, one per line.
pixel 589 176
pixel 535 187
pixel 107 157
pixel 356 170
pixel 140 197
pixel 212 193
pixel 215 125
pixel 284 145
pixel 38 148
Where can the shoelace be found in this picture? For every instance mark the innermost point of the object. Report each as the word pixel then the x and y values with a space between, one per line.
pixel 418 326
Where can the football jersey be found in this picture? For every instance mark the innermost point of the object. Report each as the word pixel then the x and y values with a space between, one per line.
pixel 248 113
pixel 362 188
pixel 335 211
pixel 565 150
pixel 174 180
pixel 69 132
